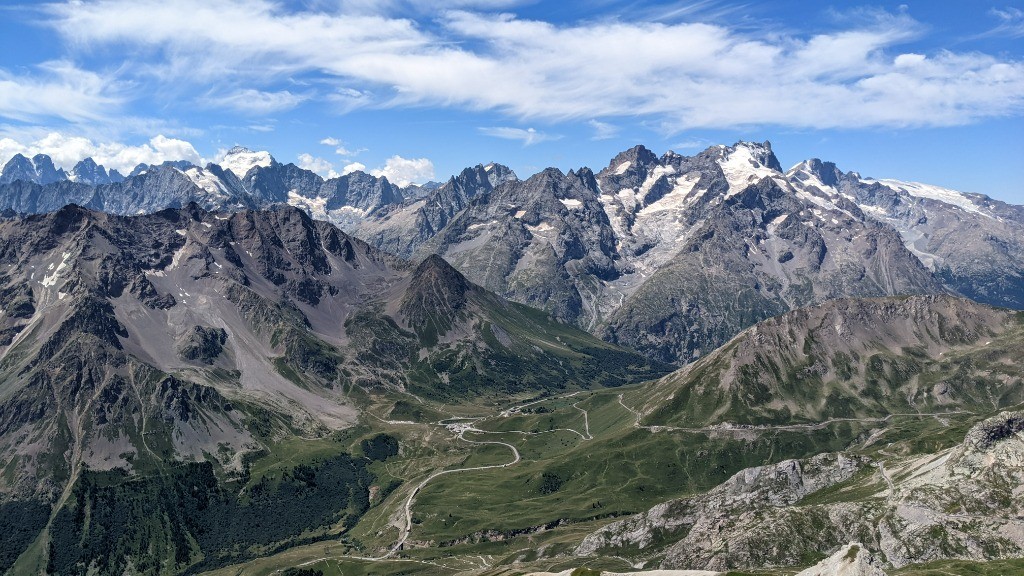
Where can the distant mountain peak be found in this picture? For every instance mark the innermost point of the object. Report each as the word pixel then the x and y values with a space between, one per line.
pixel 760 152
pixel 826 172
pixel 638 155
pixel 239 160
pixel 87 171
pixel 38 169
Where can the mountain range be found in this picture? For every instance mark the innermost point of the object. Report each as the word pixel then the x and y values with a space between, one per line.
pixel 669 255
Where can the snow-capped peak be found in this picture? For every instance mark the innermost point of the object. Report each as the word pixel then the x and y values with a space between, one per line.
pixel 240 160
pixel 746 163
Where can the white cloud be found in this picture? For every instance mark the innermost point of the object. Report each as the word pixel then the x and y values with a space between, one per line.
pixel 8 148
pixel 405 171
pixel 691 144
pixel 527 136
pixel 66 151
pixel 318 165
pixel 353 167
pixel 681 75
pixel 603 130
pixel 1011 22
pixel 339 147
pixel 252 101
pixel 59 90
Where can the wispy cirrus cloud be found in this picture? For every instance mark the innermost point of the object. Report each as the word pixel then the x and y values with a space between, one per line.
pixel 679 75
pixel 252 101
pixel 528 136
pixel 602 130
pixel 1011 22
pixel 58 89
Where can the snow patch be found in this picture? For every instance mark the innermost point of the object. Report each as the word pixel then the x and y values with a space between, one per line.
pixel 571 203
pixel 656 175
pixel 51 279
pixel 315 206
pixel 621 169
pixel 944 195
pixel 481 225
pixel 206 181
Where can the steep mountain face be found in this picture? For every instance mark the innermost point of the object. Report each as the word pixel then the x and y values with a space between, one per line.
pixel 533 241
pixel 744 247
pixel 402 229
pixel 233 305
pixel 971 242
pixel 88 172
pixel 244 180
pixel 39 169
pixel 669 255
pixel 674 255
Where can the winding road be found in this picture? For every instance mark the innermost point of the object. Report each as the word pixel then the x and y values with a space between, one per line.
pixel 460 430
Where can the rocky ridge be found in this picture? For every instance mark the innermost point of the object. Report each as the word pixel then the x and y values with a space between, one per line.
pixel 670 255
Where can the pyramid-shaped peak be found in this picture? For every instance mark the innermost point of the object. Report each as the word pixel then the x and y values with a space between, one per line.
pixel 638 155
pixel 436 296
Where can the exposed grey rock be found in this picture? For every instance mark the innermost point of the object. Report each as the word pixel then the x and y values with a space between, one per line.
pixel 203 344
pixel 88 172
pixel 402 229
pixel 850 560
pixel 158 323
pixel 39 169
pixel 670 255
pixel 971 242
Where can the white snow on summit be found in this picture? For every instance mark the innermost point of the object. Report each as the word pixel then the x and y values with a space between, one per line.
pixel 240 160
pixel 742 169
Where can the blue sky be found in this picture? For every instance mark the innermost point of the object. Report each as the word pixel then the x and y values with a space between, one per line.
pixel 927 91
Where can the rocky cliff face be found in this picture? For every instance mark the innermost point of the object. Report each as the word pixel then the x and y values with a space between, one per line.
pixel 534 241
pixel 970 241
pixel 402 229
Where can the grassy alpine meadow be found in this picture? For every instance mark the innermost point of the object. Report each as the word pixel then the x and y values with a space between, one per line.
pixel 582 462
